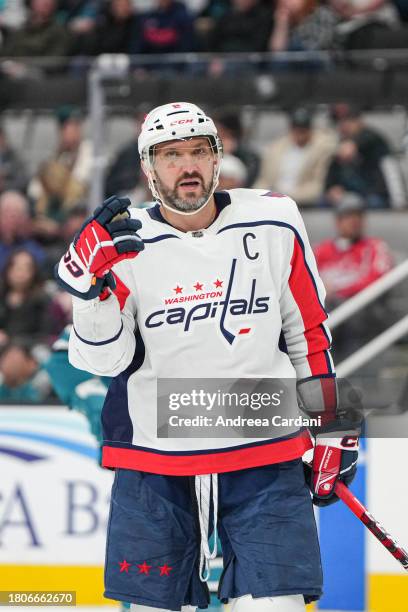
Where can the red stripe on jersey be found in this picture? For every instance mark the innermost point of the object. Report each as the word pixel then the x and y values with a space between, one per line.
pixel 305 295
pixel 121 291
pixel 206 463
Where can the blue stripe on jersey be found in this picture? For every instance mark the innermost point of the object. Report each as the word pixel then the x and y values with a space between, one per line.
pixel 342 542
pixel 102 342
pixel 160 238
pixel 302 380
pixel 279 224
pixel 325 333
pixel 328 361
pixel 210 451
pixel 283 347
pixel 116 421
pixel 155 213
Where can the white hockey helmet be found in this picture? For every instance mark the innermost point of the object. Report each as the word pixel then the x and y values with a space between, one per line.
pixel 176 121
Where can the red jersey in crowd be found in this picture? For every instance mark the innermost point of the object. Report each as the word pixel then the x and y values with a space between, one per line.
pixel 347 267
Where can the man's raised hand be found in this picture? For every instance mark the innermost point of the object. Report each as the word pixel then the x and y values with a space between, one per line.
pixel 106 238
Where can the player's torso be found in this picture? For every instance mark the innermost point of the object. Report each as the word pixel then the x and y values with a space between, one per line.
pixel 208 301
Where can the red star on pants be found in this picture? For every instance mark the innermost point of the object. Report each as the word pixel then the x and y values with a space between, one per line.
pixel 218 283
pixel 144 568
pixel 165 569
pixel 198 286
pixel 178 289
pixel 124 566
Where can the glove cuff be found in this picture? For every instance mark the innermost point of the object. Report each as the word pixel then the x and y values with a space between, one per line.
pixel 349 441
pixel 72 276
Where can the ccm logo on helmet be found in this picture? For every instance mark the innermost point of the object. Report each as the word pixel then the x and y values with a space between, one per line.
pixel 181 121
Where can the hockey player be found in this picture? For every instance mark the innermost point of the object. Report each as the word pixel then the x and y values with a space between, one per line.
pixel 204 285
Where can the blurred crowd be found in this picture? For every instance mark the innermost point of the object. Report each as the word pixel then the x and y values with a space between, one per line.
pixel 40 28
pixel 344 166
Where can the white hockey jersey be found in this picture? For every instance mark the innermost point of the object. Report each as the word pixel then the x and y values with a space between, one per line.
pixel 239 299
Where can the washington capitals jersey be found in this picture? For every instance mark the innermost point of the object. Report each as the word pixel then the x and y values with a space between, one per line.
pixel 239 299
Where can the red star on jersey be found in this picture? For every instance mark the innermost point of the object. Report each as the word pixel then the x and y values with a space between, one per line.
pixel 218 283
pixel 165 569
pixel 124 566
pixel 144 568
pixel 198 286
pixel 178 289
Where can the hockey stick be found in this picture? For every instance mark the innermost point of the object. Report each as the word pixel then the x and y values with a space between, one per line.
pixel 369 521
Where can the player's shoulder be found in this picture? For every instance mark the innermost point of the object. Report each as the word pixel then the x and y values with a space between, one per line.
pixel 149 217
pixel 261 204
pixel 139 213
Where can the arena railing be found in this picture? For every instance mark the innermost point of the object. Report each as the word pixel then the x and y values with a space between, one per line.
pixel 384 340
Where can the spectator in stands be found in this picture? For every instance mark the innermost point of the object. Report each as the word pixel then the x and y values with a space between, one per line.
pixel 12 171
pixel 349 263
pixel 58 246
pixel 79 17
pixel 363 164
pixel 230 131
pixel 233 173
pixel 12 17
pixel 22 379
pixel 23 301
pixel 118 28
pixel 206 20
pixel 16 228
pixel 363 19
pixel 41 35
pixel 168 28
pixel 62 181
pixel 303 25
pixel 73 222
pixel 348 172
pixel 59 311
pixel 246 26
pixel 124 174
pixel 296 164
pixel 214 9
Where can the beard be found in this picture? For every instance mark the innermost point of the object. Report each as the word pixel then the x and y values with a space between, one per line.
pixel 188 203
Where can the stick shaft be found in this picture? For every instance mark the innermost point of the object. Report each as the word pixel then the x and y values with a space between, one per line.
pixel 369 521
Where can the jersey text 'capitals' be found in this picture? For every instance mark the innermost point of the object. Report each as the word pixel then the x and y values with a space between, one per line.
pixel 187 315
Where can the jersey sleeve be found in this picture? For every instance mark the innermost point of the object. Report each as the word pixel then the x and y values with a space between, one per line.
pixel 306 335
pixel 102 339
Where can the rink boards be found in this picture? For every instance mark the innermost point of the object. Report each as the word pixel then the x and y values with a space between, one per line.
pixel 54 503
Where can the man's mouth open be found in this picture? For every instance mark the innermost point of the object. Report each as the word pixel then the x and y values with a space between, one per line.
pixel 189 184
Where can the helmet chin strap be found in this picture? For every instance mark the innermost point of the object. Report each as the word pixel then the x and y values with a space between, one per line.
pixel 156 194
